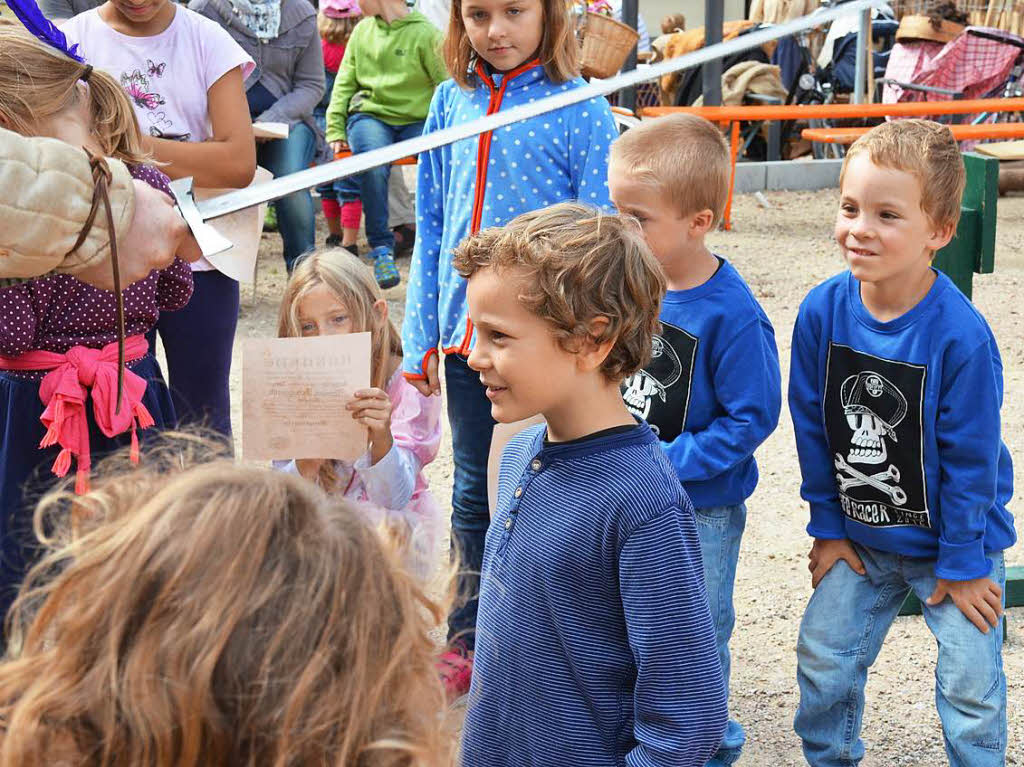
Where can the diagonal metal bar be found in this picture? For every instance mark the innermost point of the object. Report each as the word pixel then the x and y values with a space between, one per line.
pixel 310 177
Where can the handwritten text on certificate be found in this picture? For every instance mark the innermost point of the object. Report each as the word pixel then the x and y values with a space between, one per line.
pixel 294 392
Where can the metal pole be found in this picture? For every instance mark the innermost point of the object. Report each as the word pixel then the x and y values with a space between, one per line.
pixel 712 72
pixel 860 74
pixel 627 96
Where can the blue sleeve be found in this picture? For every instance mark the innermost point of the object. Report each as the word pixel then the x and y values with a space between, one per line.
pixel 751 400
pixel 679 700
pixel 421 332
pixel 818 487
pixel 588 152
pixel 967 432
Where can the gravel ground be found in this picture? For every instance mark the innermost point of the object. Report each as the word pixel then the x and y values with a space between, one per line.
pixel 783 252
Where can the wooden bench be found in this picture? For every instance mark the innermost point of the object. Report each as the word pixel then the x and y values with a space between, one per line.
pixel 960 133
pixel 732 116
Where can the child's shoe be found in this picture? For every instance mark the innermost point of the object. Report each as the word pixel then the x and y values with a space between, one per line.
pixel 455 668
pixel 334 241
pixel 384 268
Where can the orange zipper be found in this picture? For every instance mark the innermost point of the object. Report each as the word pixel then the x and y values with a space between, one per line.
pixel 483 155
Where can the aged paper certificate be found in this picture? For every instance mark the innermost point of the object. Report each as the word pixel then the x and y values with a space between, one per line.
pixel 294 392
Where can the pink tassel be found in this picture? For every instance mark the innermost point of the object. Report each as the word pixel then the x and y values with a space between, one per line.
pixel 134 453
pixel 145 419
pixel 53 433
pixel 82 482
pixel 63 463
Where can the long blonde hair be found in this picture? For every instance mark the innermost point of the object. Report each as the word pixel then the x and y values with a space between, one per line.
pixel 352 282
pixel 38 82
pixel 219 615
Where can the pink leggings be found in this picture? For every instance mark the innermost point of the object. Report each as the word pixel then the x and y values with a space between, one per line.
pixel 349 212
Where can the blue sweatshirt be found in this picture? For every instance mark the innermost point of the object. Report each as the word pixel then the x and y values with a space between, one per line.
pixel 487 181
pixel 897 427
pixel 712 391
pixel 594 640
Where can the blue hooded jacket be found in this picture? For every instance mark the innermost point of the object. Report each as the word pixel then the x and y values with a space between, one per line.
pixel 488 180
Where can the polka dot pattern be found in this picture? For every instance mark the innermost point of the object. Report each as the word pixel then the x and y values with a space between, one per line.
pixel 58 312
pixel 535 163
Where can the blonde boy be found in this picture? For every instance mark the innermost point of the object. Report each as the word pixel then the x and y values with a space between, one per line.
pixel 712 390
pixel 594 641
pixel 895 388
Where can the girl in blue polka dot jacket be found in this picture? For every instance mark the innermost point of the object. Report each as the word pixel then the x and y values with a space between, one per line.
pixel 500 53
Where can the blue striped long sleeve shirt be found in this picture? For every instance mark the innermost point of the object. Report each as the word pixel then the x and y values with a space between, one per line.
pixel 594 640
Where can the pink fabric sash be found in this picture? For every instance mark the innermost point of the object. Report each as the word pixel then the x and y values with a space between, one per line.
pixel 73 377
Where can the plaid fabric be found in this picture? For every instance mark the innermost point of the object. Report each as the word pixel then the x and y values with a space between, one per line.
pixel 973 66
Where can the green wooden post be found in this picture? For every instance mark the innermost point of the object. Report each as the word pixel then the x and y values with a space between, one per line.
pixel 971 252
pixel 973 248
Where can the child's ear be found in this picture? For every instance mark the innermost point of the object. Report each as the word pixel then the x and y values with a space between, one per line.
pixel 702 222
pixel 941 236
pixel 380 311
pixel 592 353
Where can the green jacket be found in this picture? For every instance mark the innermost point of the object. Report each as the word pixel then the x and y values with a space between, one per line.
pixel 389 71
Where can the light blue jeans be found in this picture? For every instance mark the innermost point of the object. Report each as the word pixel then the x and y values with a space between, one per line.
pixel 841 633
pixel 720 529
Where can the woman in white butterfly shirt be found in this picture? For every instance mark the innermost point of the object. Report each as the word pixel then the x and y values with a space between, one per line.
pixel 184 75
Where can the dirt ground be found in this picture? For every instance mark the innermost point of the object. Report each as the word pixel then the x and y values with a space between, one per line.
pixel 783 252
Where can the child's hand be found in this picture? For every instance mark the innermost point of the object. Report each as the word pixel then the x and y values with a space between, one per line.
pixel 826 552
pixel 372 408
pixel 979 599
pixel 431 384
pixel 339 146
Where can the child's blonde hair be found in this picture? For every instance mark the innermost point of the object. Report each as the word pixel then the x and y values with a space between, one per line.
pixel 559 52
pixel 578 264
pixel 925 150
pixel 684 155
pixel 352 282
pixel 336 31
pixel 38 82
pixel 219 615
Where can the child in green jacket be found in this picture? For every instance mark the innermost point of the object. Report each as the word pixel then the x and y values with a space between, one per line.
pixel 381 96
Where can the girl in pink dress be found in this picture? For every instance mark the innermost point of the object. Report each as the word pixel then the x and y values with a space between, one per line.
pixel 331 293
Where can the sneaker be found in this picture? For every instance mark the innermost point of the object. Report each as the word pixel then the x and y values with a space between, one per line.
pixel 384 268
pixel 405 238
pixel 333 241
pixel 455 668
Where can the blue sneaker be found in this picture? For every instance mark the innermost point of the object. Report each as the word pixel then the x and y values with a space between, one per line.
pixel 384 268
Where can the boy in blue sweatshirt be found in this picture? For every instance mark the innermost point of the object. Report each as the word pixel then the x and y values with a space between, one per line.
pixel 712 390
pixel 895 389
pixel 594 640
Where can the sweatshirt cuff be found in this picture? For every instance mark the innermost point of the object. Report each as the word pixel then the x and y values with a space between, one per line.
pixel 421 374
pixel 962 561
pixel 826 522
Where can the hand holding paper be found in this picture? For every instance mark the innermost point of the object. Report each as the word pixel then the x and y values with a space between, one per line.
pixel 372 408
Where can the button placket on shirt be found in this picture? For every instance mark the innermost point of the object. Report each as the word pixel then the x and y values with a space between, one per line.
pixel 535 467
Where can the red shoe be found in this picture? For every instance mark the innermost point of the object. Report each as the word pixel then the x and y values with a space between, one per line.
pixel 456 671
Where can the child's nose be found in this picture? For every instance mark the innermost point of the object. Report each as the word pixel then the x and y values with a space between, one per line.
pixel 477 360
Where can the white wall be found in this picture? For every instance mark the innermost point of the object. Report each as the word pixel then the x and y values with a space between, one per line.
pixel 654 11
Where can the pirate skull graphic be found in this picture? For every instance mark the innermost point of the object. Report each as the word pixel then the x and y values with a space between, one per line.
pixel 873 409
pixel 663 372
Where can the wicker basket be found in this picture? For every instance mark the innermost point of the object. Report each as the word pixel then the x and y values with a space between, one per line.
pixel 920 28
pixel 606 44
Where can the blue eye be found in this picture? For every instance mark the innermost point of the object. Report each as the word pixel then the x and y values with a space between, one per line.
pixel 339 319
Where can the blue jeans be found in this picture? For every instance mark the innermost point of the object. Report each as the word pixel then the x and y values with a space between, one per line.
pixel 720 529
pixel 841 633
pixel 296 217
pixel 469 415
pixel 344 188
pixel 366 132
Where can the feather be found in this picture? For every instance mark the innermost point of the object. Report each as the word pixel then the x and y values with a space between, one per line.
pixel 42 27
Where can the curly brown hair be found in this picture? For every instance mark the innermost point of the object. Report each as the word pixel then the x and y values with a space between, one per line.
pixel 574 265
pixel 218 615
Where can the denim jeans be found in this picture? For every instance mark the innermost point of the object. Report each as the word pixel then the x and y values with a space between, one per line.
pixel 366 132
pixel 469 415
pixel 296 217
pixel 720 529
pixel 841 633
